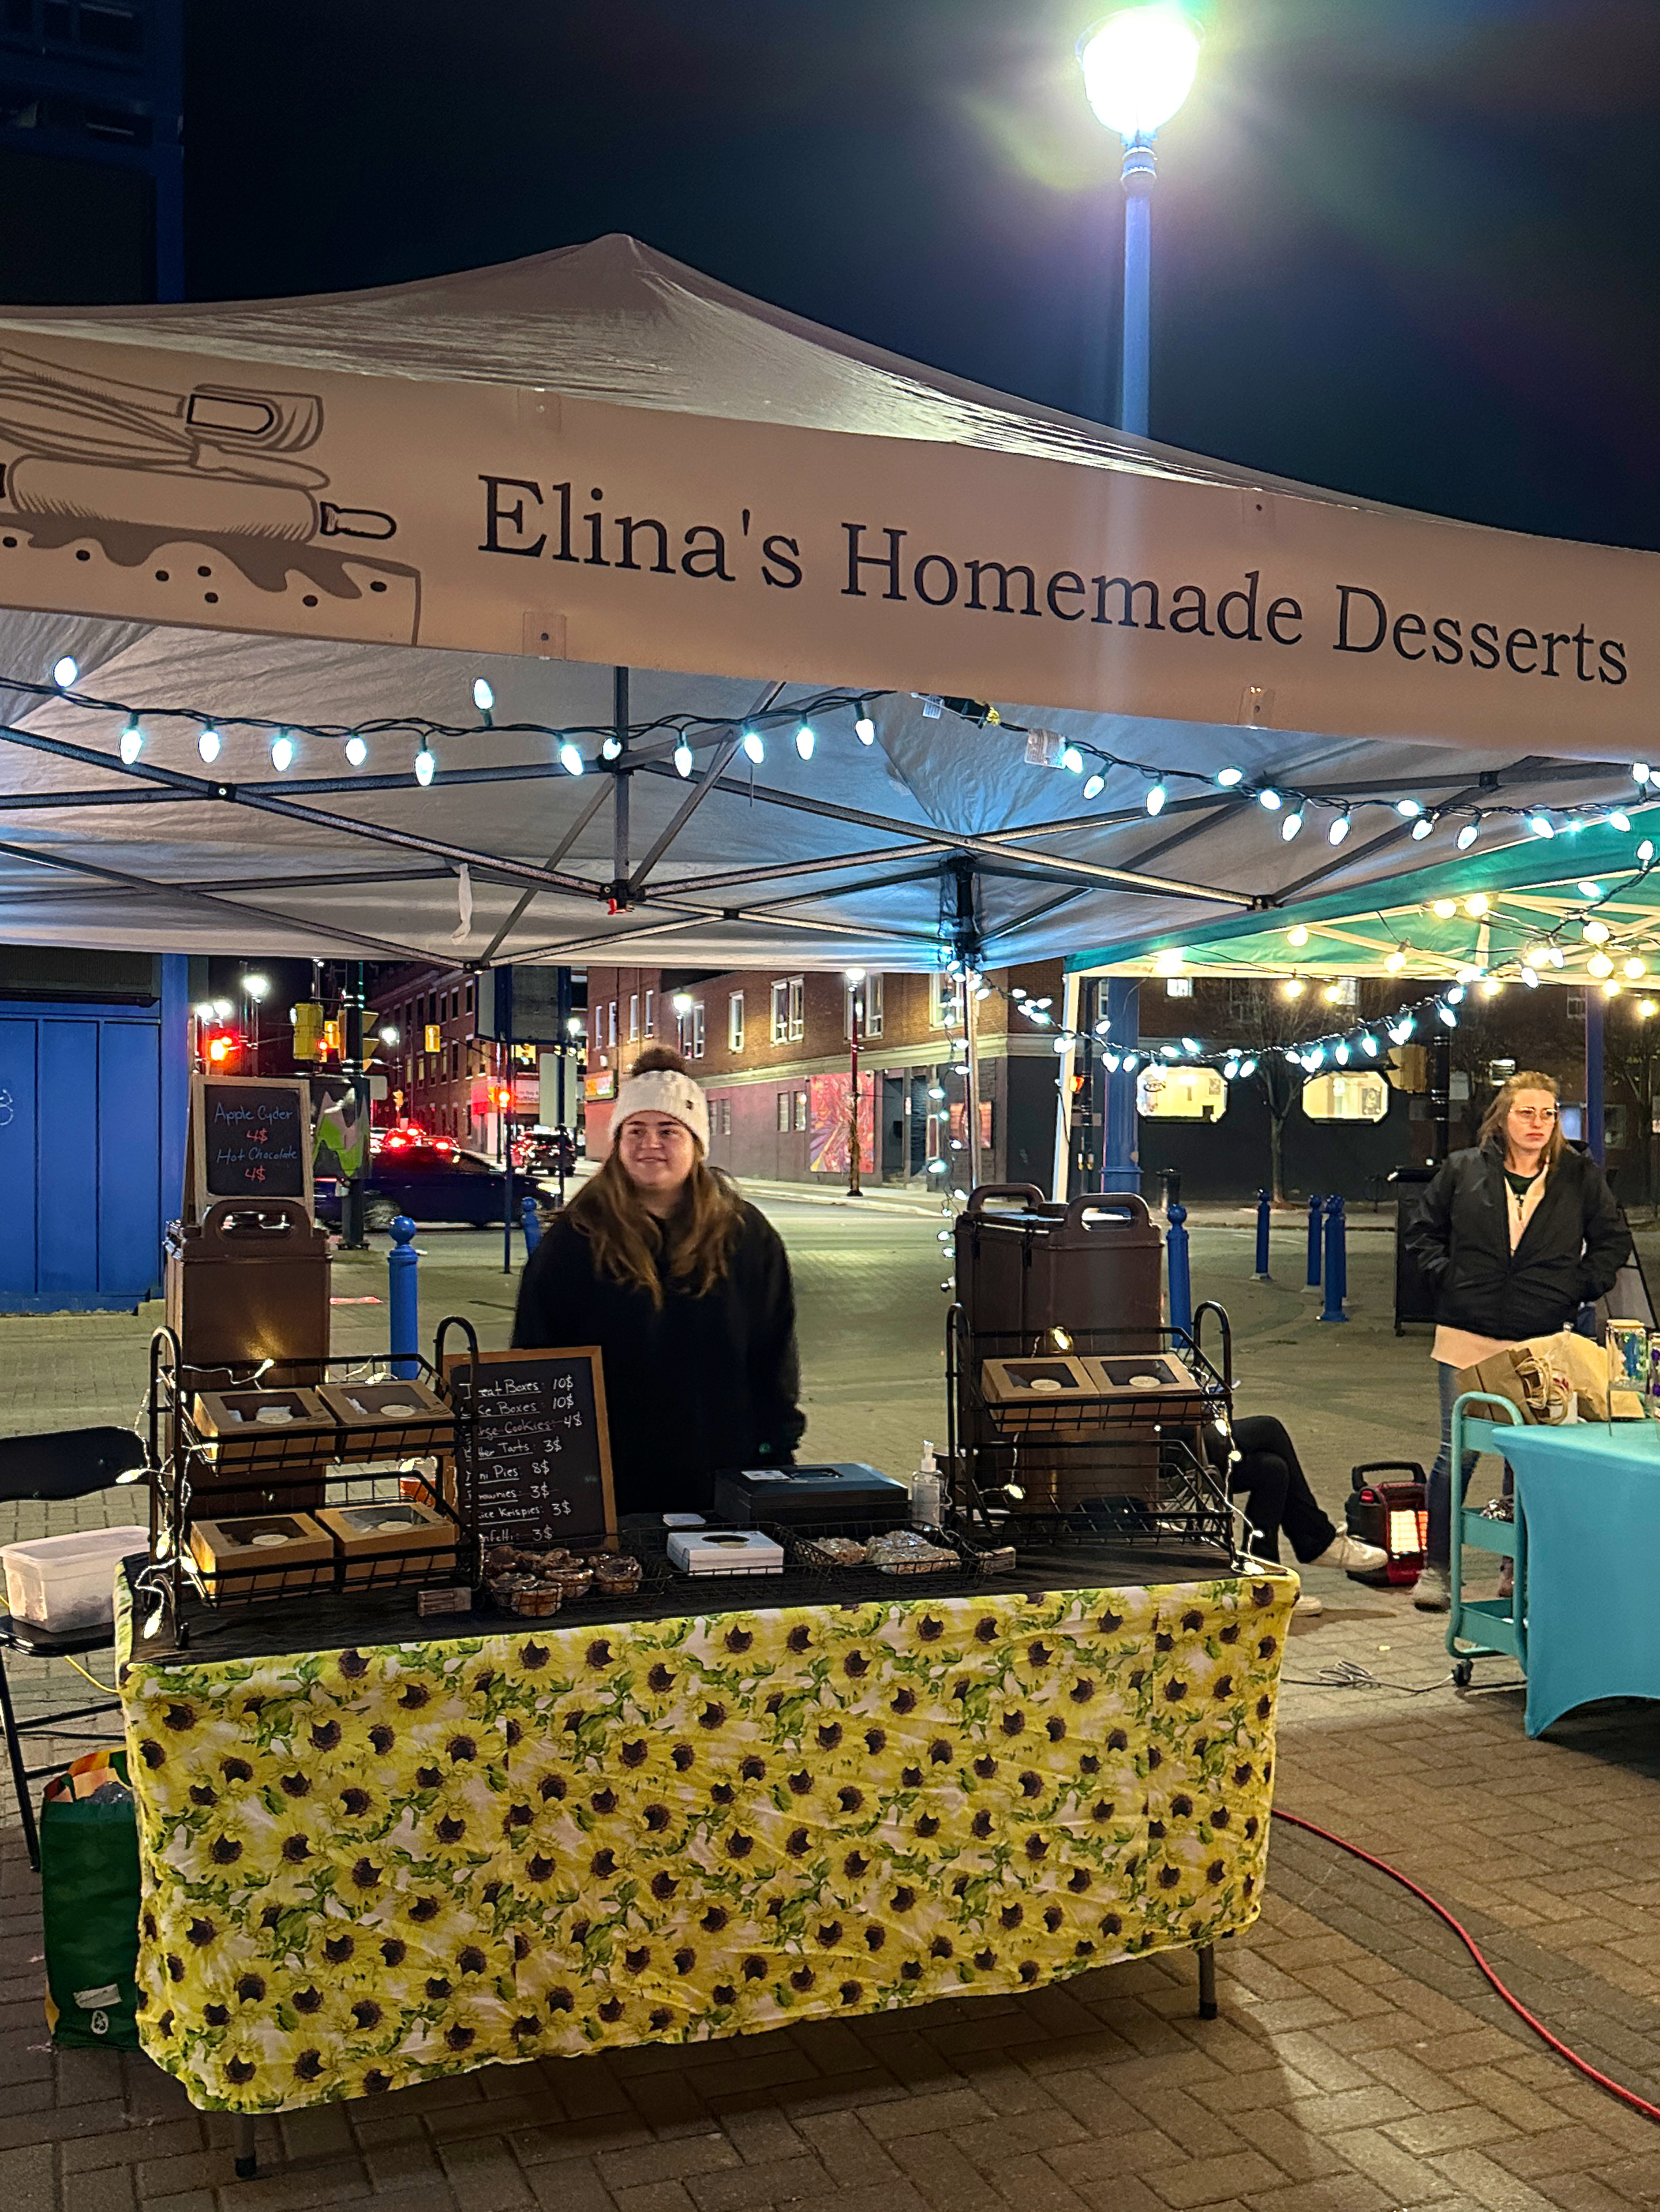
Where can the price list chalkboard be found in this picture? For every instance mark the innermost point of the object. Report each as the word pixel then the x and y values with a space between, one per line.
pixel 250 1139
pixel 535 1463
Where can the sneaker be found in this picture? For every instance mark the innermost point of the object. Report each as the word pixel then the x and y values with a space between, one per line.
pixel 1306 1607
pixel 1434 1591
pixel 1352 1556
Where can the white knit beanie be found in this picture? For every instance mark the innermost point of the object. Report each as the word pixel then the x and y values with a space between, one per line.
pixel 664 1090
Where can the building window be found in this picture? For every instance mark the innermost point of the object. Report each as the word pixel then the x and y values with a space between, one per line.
pixel 612 1021
pixel 1178 986
pixel 1244 998
pixel 1164 1093
pixel 869 995
pixel 801 1109
pixel 783 1110
pixel 723 1117
pixel 1575 1008
pixel 781 1013
pixel 735 1022
pixel 634 1015
pixel 944 1001
pixel 797 1012
pixel 470 998
pixel 1346 1098
pixel 651 1013
pixel 694 1030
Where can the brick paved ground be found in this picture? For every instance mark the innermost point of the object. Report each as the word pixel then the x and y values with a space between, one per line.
pixel 1360 2064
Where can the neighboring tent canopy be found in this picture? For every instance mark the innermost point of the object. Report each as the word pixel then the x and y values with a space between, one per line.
pixel 1581 910
pixel 335 514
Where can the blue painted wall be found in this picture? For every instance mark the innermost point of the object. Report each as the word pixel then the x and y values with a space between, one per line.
pixel 82 1156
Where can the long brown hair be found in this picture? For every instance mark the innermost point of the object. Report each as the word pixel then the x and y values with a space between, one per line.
pixel 1493 1122
pixel 692 1247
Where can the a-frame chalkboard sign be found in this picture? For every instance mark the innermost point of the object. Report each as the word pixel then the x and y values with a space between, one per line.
pixel 250 1138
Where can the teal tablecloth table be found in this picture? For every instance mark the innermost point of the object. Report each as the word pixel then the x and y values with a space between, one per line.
pixel 1586 1621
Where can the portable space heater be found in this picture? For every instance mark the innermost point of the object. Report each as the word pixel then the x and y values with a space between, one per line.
pixel 1394 1516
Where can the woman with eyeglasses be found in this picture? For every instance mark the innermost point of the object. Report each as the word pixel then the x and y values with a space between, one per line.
pixel 1516 1233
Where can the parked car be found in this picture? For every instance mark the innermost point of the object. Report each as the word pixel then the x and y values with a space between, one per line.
pixel 433 1181
pixel 544 1151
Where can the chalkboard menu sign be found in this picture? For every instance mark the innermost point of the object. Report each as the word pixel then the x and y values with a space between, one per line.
pixel 250 1138
pixel 535 1468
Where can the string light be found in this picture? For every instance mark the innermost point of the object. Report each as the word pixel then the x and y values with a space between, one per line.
pixel 1589 890
pixel 683 758
pixel 1477 905
pixel 1408 808
pixel 1640 769
pixel 864 728
pixel 1594 932
pixel 1293 825
pixel 1396 961
pixel 357 752
pixel 1298 934
pixel 132 743
pixel 1157 795
pixel 1072 761
pixel 1530 975
pixel 1634 967
pixel 1599 964
pixel 208 743
pixel 1339 828
pixel 1269 797
pixel 281 752
pixel 570 758
pixel 1096 785
pixel 806 741
pixel 426 762
pixel 66 672
pixel 1227 777
pixel 611 748
pixel 1422 828
pixel 1541 825
pixel 755 748
pixel 484 698
pixel 1468 836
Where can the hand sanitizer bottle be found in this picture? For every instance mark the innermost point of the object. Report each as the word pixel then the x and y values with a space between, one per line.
pixel 928 1492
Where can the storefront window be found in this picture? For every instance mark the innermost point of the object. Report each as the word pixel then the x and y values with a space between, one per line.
pixel 1181 1094
pixel 1359 1098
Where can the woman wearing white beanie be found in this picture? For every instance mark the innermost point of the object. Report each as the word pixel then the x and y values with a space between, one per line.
pixel 686 1289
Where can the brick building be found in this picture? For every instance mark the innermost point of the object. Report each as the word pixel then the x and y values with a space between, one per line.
pixel 771 1047
pixel 441 1072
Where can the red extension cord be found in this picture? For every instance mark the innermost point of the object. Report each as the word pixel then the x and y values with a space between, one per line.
pixel 1614 2088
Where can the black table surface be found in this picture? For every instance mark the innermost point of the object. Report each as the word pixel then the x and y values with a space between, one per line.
pixel 333 1621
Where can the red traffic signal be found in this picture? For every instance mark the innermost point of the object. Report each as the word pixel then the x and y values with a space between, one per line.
pixel 219 1046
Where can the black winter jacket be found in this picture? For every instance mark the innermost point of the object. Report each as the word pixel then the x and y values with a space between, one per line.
pixel 1569 1253
pixel 702 1384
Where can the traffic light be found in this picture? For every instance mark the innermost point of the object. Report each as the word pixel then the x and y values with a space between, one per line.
pixel 220 1048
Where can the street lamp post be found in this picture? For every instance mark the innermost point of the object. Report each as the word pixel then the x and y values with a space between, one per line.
pixel 1138 67
pixel 855 977
pixel 255 990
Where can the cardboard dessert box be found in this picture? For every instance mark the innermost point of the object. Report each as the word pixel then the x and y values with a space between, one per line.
pixel 390 1420
pixel 301 1560
pixel 397 1541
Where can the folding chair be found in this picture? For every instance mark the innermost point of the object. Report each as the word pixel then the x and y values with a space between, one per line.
pixel 65 1464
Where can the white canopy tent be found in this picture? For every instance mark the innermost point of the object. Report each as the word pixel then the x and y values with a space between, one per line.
pixel 334 514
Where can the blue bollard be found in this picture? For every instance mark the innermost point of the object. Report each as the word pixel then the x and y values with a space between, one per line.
pixel 1336 1261
pixel 533 1221
pixel 403 1297
pixel 1181 1279
pixel 1315 1204
pixel 1264 1210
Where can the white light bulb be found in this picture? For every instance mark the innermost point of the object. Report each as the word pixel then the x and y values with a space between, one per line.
pixel 683 758
pixel 1597 932
pixel 1541 825
pixel 1368 1045
pixel 483 696
pixel 1421 828
pixel 1635 967
pixel 281 752
pixel 864 729
pixel 1588 889
pixel 1156 797
pixel 1396 962
pixel 1271 800
pixel 1646 851
pixel 1096 785
pixel 1446 1015
pixel 1456 996
pixel 1293 825
pixel 132 743
pixel 1248 1067
pixel 1342 1055
pixel 1139 68
pixel 1227 777
pixel 207 745
pixel 1618 819
pixel 1530 977
pixel 1409 808
pixel 1640 769
pixel 1469 834
pixel 1339 829
pixel 357 750
pixel 426 762
pixel 804 741
pixel 570 758
pixel 66 672
pixel 1072 761
pixel 1298 934
pixel 611 749
pixel 754 748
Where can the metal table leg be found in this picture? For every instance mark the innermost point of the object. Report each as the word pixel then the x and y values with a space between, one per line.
pixel 246 2162
pixel 1206 1982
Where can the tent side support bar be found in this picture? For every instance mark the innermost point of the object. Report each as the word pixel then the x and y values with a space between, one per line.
pixel 586 813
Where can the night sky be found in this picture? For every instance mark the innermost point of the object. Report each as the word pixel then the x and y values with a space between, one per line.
pixel 1406 248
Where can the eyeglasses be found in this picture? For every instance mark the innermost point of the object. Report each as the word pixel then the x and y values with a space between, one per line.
pixel 1545 1114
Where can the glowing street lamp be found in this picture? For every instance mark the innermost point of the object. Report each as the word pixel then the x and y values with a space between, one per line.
pixel 1139 66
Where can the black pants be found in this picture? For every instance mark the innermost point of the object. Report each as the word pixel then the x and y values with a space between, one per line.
pixel 1279 1494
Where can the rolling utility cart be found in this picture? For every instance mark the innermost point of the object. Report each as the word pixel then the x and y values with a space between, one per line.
pixel 1502 1620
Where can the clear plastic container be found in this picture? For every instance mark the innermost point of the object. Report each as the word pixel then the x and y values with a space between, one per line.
pixel 66 1584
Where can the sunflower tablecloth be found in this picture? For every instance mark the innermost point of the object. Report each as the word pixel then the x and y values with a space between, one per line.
pixel 365 1867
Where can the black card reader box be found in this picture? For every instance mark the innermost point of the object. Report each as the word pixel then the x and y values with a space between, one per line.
pixel 801 1496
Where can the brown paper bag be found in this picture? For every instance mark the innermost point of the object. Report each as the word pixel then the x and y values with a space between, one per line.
pixel 1545 1376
